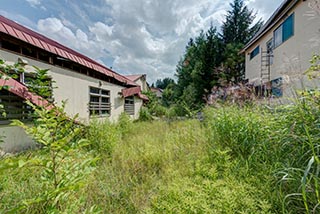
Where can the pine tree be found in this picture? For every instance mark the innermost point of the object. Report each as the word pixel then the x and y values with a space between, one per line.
pixel 196 70
pixel 237 30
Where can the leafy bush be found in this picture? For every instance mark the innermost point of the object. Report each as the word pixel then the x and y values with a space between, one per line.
pixel 103 136
pixel 62 165
pixel 124 124
pixel 145 115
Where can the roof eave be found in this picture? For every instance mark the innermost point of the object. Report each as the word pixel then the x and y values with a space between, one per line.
pixel 273 20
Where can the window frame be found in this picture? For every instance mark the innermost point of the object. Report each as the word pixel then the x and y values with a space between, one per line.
pixel 282 35
pixel 99 108
pixel 129 105
pixel 255 52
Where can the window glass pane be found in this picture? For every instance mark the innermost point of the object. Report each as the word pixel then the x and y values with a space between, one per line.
pixel 104 92
pixel 94 99
pixel 278 37
pixel 255 52
pixel 287 28
pixel 104 112
pixel 94 90
pixel 105 100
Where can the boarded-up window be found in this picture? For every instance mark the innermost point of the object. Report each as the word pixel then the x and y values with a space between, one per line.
pixel 14 107
pixel 99 103
pixel 129 105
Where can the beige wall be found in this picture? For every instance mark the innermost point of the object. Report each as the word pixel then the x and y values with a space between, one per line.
pixel 137 106
pixel 142 83
pixel 292 57
pixel 14 139
pixel 73 87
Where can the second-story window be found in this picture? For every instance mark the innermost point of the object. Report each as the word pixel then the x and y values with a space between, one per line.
pixel 284 31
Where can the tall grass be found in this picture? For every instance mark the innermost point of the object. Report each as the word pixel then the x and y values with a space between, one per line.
pixel 254 159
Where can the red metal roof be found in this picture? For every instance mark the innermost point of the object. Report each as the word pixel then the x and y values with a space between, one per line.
pixel 20 32
pixel 143 96
pixel 134 77
pixel 127 92
pixel 22 91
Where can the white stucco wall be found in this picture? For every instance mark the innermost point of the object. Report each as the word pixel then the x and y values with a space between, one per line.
pixel 142 83
pixel 14 139
pixel 292 57
pixel 137 106
pixel 73 87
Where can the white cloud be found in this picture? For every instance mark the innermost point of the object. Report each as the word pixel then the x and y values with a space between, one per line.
pixel 79 40
pixel 264 8
pixel 141 36
pixel 34 2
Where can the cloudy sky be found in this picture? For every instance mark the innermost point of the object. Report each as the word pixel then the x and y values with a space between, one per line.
pixel 131 36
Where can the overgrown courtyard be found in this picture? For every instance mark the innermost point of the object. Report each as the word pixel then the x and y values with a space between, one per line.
pixel 251 159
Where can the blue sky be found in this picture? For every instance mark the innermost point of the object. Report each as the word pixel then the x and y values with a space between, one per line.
pixel 131 36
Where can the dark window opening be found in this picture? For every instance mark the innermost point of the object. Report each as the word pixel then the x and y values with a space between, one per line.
pixel 44 57
pixel 29 52
pixel 57 61
pixel 255 52
pixel 11 46
pixel 67 64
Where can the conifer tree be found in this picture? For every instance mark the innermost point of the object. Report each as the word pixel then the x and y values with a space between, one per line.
pixel 237 30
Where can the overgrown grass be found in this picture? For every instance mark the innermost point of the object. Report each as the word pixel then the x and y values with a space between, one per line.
pixel 239 160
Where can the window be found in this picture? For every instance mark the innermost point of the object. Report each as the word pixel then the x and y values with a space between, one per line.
pixel 284 31
pixel 99 103
pixel 14 107
pixel 129 105
pixel 255 52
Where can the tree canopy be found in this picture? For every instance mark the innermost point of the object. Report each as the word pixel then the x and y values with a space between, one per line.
pixel 212 57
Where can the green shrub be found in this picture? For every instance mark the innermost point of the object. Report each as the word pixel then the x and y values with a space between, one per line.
pixel 145 115
pixel 61 165
pixel 103 136
pixel 124 124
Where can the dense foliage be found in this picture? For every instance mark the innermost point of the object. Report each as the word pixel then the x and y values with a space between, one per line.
pixel 213 59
